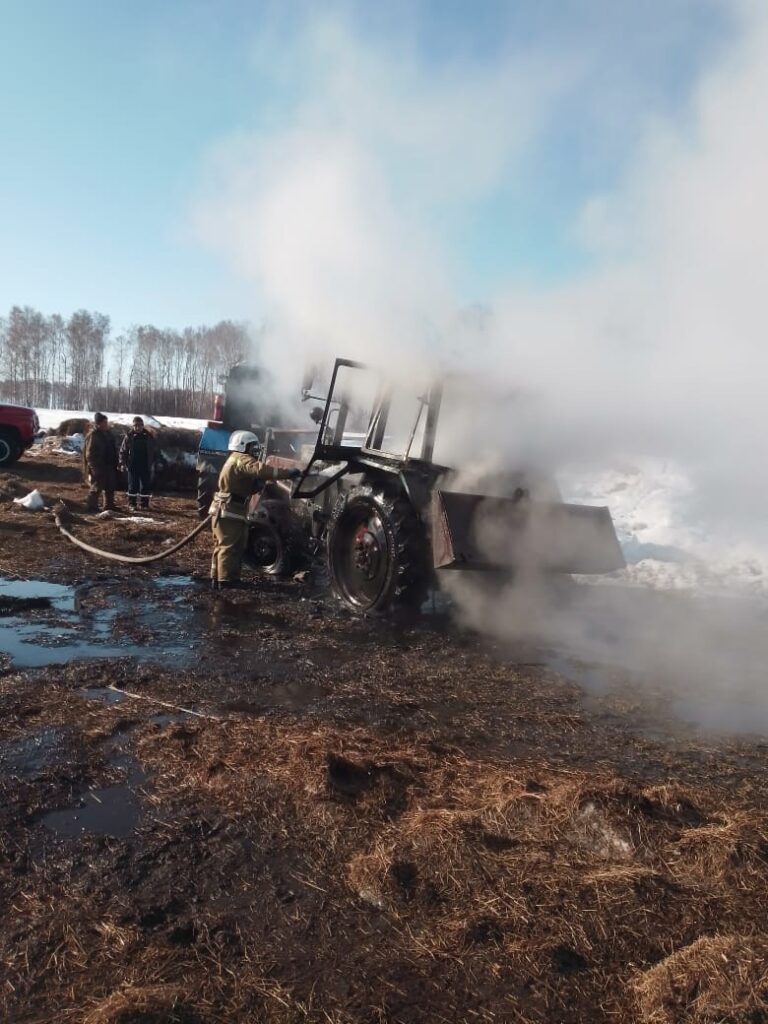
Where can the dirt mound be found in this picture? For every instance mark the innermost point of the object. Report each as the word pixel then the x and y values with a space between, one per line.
pixel 12 487
pixel 176 438
pixel 157 1004
pixel 74 425
pixel 178 456
pixel 540 886
pixel 716 978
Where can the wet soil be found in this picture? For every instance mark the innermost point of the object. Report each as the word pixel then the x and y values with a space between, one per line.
pixel 254 807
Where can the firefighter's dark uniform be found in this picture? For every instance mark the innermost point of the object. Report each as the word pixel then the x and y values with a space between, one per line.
pixel 100 463
pixel 137 454
pixel 237 480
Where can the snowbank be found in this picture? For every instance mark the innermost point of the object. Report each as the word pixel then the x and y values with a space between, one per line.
pixel 664 544
pixel 51 418
pixel 178 439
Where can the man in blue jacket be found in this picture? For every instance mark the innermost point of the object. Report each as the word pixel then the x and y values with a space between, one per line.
pixel 137 456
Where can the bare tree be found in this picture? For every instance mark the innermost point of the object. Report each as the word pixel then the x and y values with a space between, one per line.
pixel 87 335
pixel 73 364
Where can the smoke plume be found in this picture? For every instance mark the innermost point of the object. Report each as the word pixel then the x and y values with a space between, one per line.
pixel 349 219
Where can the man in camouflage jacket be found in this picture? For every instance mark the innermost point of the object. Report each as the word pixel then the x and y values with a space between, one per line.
pixel 100 464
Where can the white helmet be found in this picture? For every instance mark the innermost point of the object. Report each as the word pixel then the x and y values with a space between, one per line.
pixel 240 439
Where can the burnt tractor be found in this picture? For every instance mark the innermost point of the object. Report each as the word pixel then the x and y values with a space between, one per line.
pixel 383 512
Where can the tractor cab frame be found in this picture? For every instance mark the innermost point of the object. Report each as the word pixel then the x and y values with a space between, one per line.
pixel 392 523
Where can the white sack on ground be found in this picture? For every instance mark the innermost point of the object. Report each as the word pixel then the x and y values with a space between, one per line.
pixel 33 501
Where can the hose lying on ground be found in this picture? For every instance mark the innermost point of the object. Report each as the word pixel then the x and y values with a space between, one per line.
pixel 165 704
pixel 58 513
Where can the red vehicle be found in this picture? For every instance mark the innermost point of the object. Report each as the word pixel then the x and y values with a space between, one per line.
pixel 18 427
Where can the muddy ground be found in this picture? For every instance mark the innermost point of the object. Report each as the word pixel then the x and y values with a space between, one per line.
pixel 252 807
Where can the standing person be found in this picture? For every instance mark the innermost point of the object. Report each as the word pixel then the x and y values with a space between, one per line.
pixel 137 455
pixel 100 461
pixel 237 481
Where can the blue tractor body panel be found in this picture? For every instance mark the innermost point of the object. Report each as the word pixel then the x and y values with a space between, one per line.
pixel 213 450
pixel 214 439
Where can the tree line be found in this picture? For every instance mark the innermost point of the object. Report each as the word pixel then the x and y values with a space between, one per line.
pixel 75 363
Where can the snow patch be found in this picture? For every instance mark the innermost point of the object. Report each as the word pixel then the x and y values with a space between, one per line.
pixel 51 418
pixel 665 544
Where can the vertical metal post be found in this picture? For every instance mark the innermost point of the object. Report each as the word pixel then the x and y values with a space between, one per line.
pixel 434 399
pixel 379 419
pixel 341 420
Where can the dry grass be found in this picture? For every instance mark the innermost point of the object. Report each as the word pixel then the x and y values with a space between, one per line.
pixel 287 871
pixel 566 883
pixel 716 978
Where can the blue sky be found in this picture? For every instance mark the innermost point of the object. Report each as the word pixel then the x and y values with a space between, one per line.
pixel 110 115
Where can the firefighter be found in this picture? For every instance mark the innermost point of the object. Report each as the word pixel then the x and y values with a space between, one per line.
pixel 137 456
pixel 100 463
pixel 239 478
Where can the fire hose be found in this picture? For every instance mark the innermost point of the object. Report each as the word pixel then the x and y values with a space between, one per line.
pixel 131 559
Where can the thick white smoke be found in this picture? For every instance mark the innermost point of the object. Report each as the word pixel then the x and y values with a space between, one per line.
pixel 348 217
pixel 662 347
pixel 335 216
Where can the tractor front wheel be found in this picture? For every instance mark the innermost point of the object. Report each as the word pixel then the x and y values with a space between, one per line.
pixel 377 551
pixel 276 542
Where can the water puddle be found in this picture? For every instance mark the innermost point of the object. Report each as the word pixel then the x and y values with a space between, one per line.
pixel 112 811
pixel 103 694
pixel 36 647
pixel 32 754
pixel 57 595
pixel 108 810
pixel 173 581
pixel 238 616
pixel 175 586
pixel 56 624
pixel 169 718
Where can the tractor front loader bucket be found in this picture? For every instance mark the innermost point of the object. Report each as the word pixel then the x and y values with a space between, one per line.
pixel 472 531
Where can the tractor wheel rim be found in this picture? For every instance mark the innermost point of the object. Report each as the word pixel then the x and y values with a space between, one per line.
pixel 5 451
pixel 265 549
pixel 367 551
pixel 364 560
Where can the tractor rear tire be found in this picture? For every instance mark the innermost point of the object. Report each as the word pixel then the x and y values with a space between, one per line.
pixel 377 551
pixel 10 449
pixel 206 488
pixel 277 543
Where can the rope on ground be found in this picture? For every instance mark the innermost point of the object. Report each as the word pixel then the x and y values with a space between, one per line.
pixel 165 704
pixel 113 556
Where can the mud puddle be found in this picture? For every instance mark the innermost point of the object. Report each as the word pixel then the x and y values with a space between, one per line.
pixel 112 811
pixel 38 645
pixel 173 581
pixel 108 810
pixel 103 694
pixel 293 695
pixel 175 587
pixel 32 755
pixel 164 718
